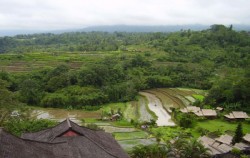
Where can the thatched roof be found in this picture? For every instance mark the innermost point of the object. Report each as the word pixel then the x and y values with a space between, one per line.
pixel 219 108
pixel 224 147
pixel 247 138
pixel 221 145
pixel 98 143
pixel 190 109
pixel 210 144
pixel 52 141
pixel 14 147
pixel 241 146
pixel 206 140
pixel 237 115
pixel 199 113
pixel 208 112
pixel 226 139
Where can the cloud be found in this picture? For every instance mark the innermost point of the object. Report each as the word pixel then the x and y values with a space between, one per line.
pixel 63 14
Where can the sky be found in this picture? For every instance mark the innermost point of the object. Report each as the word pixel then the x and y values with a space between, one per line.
pixel 68 14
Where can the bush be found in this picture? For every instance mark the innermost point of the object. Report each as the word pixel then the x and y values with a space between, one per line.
pixel 186 120
pixel 236 151
pixel 202 131
pixel 17 127
pixel 94 127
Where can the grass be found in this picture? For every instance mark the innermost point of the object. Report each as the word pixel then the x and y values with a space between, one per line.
pixel 132 111
pixel 219 125
pixel 198 97
pixel 130 135
pixel 114 107
pixel 121 123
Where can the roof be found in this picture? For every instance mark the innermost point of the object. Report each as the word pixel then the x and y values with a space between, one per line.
pixel 206 140
pixel 87 143
pixel 241 146
pixel 247 138
pixel 225 148
pixel 226 139
pixel 190 109
pixel 221 145
pixel 219 108
pixel 237 115
pixel 14 147
pixel 208 112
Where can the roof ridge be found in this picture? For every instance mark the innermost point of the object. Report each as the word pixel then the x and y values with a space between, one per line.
pixel 69 122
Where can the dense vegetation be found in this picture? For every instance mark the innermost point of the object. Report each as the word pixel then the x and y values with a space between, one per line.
pixel 216 59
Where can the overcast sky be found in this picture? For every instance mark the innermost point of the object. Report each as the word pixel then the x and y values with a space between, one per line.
pixel 66 14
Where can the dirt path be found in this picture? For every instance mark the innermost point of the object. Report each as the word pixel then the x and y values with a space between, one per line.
pixel 155 105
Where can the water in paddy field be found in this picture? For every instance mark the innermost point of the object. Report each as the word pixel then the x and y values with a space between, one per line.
pixel 60 115
pixel 155 105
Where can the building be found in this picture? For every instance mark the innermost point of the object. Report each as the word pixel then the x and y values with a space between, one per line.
pixel 208 113
pixel 66 140
pixel 246 138
pixel 237 115
pixel 221 146
pixel 199 112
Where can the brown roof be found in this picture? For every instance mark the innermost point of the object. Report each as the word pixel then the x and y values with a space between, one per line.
pixel 88 143
pixel 237 115
pixel 14 147
pixel 247 138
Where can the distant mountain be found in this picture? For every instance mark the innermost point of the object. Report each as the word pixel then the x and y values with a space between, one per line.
pixel 122 28
pixel 133 28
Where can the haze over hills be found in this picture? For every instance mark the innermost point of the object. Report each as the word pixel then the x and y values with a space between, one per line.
pixel 122 28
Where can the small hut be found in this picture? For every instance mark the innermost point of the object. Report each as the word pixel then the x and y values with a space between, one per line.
pixel 246 138
pixel 237 115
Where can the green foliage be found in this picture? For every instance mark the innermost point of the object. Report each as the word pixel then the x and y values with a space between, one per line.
pixel 121 64
pixel 198 97
pixel 238 134
pixel 189 148
pixel 17 127
pixel 93 127
pixel 8 103
pixel 236 151
pixel 186 120
pixel 150 151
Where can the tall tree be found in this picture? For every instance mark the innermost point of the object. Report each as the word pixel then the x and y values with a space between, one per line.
pixel 238 134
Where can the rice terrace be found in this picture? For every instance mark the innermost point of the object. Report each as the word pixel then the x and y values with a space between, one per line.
pixel 178 94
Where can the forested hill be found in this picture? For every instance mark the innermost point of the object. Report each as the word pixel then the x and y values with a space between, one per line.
pixel 115 66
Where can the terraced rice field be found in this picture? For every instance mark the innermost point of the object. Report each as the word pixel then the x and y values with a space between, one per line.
pixel 155 105
pixel 161 100
pixel 151 104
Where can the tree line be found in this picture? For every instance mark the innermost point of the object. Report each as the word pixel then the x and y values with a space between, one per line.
pixel 216 59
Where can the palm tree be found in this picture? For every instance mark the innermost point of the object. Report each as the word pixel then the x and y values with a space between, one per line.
pixel 194 149
pixel 188 148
